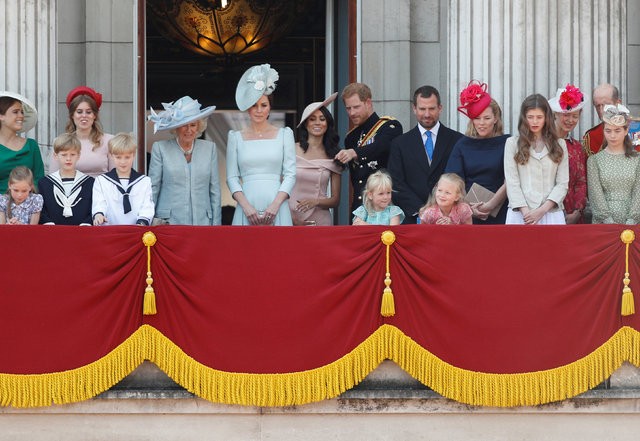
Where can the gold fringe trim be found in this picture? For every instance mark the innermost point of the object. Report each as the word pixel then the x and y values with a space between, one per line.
pixel 509 390
pixel 329 381
pixel 83 383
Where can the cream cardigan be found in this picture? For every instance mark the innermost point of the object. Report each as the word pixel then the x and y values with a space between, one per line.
pixel 537 181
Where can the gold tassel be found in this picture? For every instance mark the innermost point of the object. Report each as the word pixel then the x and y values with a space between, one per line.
pixel 149 304
pixel 628 307
pixel 387 307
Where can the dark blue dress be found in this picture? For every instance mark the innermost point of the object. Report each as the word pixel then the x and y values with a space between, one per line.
pixel 480 160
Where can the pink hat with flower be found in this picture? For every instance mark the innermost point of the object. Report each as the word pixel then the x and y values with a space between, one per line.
pixel 474 99
pixel 569 99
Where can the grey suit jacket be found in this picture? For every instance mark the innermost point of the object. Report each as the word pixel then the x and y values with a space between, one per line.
pixel 183 196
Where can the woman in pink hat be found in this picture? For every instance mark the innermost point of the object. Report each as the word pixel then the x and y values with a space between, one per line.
pixel 315 168
pixel 567 107
pixel 84 106
pixel 478 157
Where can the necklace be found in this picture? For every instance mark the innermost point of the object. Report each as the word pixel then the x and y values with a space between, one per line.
pixel 187 152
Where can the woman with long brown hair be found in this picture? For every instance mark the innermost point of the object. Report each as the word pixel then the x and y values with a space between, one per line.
pixel 536 167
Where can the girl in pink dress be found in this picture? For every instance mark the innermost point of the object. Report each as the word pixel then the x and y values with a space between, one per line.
pixel 446 205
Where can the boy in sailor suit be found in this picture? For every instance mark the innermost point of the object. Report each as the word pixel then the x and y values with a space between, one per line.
pixel 67 191
pixel 122 196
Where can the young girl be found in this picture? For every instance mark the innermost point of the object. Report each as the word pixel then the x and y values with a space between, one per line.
pixel 536 167
pixel 446 205
pixel 614 172
pixel 21 205
pixel 377 208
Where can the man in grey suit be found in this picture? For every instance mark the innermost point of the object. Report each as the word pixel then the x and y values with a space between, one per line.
pixel 418 157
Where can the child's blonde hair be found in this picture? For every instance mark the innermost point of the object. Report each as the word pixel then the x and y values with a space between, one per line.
pixel 123 143
pixel 18 174
pixel 379 179
pixel 66 142
pixel 452 178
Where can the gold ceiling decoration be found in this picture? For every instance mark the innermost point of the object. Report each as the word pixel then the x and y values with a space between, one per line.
pixel 227 28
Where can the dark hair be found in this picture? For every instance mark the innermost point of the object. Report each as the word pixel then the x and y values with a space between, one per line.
pixel 426 92
pixel 96 128
pixel 5 103
pixel 526 138
pixel 329 140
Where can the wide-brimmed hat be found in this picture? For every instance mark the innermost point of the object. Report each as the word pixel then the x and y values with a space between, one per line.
pixel 178 113
pixel 306 113
pixel 255 82
pixel 474 99
pixel 84 90
pixel 569 99
pixel 617 115
pixel 30 111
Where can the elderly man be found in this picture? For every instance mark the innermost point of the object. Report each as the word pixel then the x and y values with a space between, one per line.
pixel 602 95
pixel 418 157
pixel 367 144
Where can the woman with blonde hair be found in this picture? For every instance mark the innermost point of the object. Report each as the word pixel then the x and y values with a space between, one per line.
pixel 184 169
pixel 478 157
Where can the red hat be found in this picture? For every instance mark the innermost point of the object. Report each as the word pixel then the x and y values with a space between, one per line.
pixel 84 90
pixel 474 99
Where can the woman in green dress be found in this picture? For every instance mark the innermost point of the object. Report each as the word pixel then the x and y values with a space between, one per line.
pixel 613 174
pixel 17 115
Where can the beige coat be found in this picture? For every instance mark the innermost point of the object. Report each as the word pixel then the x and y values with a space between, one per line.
pixel 531 184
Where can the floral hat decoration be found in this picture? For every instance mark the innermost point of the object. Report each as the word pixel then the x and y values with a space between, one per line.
pixel 255 82
pixel 569 99
pixel 178 113
pixel 84 90
pixel 474 99
pixel 30 111
pixel 616 115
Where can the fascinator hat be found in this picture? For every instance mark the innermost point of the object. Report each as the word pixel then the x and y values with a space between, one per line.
pixel 306 113
pixel 29 110
pixel 255 82
pixel 84 90
pixel 569 99
pixel 616 115
pixel 178 113
pixel 474 99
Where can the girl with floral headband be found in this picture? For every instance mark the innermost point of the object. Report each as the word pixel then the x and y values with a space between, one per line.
pixel 261 158
pixel 478 157
pixel 613 174
pixel 536 167
pixel 567 107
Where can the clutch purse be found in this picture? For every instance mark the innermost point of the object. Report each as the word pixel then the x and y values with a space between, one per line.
pixel 477 193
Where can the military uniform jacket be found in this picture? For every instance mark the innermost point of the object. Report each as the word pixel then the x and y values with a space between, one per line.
pixel 372 149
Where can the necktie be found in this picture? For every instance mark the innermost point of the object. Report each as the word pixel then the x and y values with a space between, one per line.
pixel 428 145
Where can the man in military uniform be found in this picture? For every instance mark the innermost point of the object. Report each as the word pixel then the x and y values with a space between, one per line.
pixel 602 95
pixel 367 144
pixel 418 158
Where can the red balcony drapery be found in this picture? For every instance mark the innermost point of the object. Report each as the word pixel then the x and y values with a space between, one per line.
pixel 277 316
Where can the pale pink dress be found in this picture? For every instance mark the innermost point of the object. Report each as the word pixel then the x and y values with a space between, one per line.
pixel 312 181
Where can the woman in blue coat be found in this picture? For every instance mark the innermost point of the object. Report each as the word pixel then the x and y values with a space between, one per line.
pixel 184 170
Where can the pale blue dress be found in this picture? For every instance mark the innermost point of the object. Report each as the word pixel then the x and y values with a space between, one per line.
pixel 260 168
pixel 379 217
